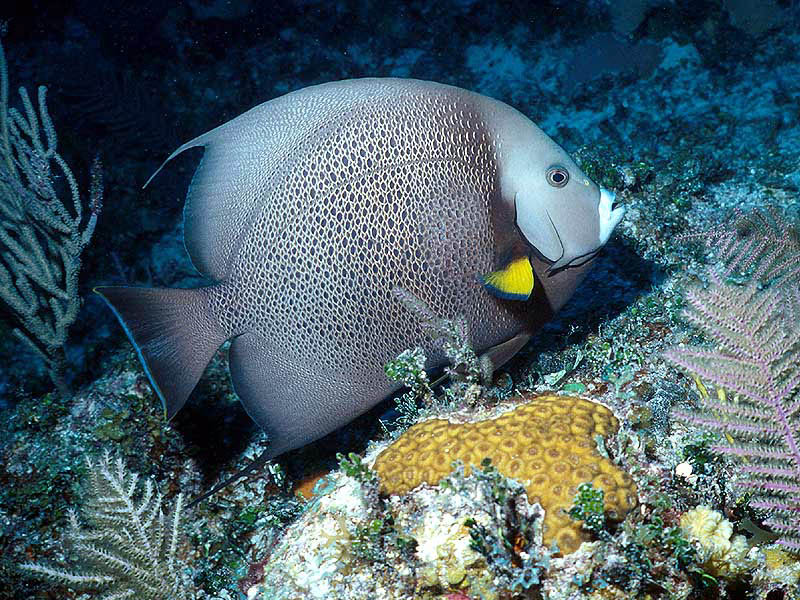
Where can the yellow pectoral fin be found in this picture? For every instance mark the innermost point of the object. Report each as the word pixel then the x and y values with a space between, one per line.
pixel 514 282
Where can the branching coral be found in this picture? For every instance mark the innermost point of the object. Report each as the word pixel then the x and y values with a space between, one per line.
pixel 42 235
pixel 762 246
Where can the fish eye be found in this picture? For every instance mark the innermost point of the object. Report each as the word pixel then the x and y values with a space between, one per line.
pixel 557 176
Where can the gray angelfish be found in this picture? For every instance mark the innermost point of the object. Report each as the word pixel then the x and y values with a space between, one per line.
pixel 308 210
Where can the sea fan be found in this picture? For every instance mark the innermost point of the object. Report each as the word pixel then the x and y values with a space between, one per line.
pixel 131 549
pixel 760 246
pixel 756 330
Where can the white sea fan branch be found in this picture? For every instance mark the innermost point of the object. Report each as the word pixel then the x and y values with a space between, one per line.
pixel 126 551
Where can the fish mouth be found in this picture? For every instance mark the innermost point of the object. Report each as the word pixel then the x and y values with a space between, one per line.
pixel 610 212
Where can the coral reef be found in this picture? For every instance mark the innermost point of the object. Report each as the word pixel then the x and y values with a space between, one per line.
pixel 326 553
pixel 476 534
pixel 691 116
pixel 509 536
pixel 548 443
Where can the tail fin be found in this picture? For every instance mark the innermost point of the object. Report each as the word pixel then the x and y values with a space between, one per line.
pixel 174 333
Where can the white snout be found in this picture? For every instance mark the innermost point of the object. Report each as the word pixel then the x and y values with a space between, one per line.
pixel 608 217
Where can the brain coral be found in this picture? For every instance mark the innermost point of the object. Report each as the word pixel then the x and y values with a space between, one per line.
pixel 548 444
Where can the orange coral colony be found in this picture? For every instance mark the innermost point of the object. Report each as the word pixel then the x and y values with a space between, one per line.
pixel 547 444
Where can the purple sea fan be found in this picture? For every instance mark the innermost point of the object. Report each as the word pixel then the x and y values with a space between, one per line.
pixel 760 246
pixel 755 367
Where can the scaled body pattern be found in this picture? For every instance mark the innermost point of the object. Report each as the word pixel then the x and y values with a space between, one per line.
pixel 308 210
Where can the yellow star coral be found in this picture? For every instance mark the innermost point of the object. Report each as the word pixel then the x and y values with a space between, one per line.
pixel 548 444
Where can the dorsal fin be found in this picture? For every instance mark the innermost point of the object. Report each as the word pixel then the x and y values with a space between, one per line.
pixel 228 186
pixel 243 160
